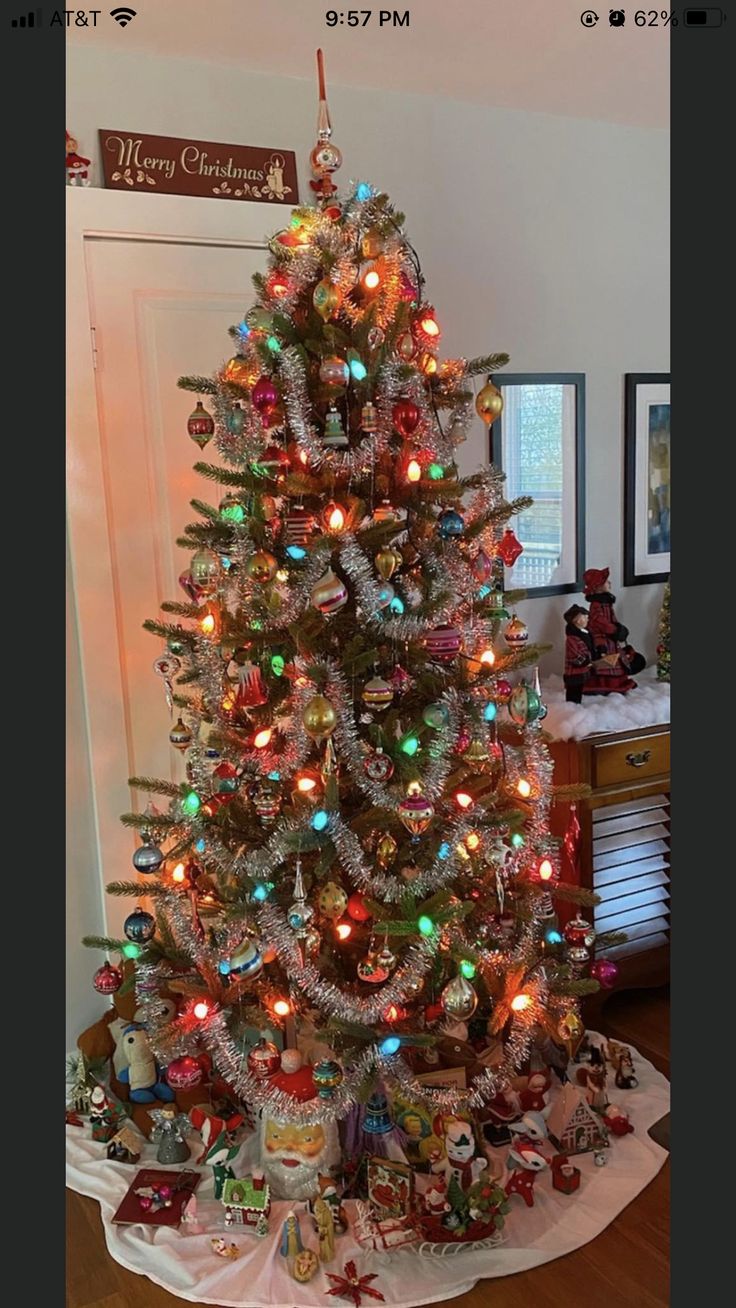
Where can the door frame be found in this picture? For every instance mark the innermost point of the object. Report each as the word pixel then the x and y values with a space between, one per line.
pixel 92 212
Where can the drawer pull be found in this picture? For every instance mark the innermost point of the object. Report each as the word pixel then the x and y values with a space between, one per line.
pixel 638 760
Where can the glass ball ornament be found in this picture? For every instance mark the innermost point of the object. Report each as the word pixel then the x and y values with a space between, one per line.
pixel 482 567
pixel 107 979
pixel 329 594
pixel 139 926
pixel 450 524
pixel 327 1076
pixel 436 716
pixel 205 571
pixel 444 642
pixel 201 425
pixel 524 705
pixel 326 298
pixel 378 766
pixel 147 858
pixel 235 420
pixel 334 372
pixel 264 397
pixel 504 690
pixel 386 850
pixel 377 693
pixel 319 718
pixel 247 961
pixel 356 907
pixel 180 735
pixel 603 970
pixel 387 560
pixel 376 337
pixel 489 403
pixel 386 593
pixel 516 633
pixel 416 812
pixel 406 416
pixel 386 958
pixel 579 932
pixel 184 1073
pixel 264 1059
pixel 332 901
pixel 325 158
pixel 406 347
pixel 262 566
pixel 459 1000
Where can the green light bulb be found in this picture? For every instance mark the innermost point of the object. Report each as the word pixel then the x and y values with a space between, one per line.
pixel 410 745
pixel 277 665
pixel 131 951
pixel 425 925
pixel 274 344
pixel 468 969
pixel 191 803
pixel 436 471
pixel 517 840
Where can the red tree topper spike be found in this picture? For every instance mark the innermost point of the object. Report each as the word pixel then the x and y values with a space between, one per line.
pixel 352 1286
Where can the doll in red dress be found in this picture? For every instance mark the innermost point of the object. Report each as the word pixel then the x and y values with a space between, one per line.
pixel 610 637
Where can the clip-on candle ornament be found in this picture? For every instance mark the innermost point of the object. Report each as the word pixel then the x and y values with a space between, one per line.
pixel 167 667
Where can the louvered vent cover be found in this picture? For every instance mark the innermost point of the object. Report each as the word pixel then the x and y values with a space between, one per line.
pixel 631 872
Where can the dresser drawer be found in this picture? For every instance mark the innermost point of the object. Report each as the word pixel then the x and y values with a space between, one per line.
pixel 630 760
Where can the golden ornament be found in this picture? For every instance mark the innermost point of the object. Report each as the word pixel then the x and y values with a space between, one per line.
pixel 262 566
pixel 326 298
pixel 489 403
pixel 387 561
pixel 371 244
pixel 319 718
pixel 406 347
pixel 476 755
pixel 386 850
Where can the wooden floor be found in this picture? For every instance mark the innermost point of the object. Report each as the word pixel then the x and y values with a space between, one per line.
pixel 627 1264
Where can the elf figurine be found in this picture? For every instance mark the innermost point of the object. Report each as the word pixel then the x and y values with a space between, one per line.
pixel 581 662
pixel 610 637
pixel 77 167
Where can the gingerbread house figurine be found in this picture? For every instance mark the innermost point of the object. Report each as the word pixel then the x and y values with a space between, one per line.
pixel 572 1125
pixel 247 1202
pixel 125 1146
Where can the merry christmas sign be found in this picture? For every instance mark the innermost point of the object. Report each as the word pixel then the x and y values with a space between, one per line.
pixel 177 166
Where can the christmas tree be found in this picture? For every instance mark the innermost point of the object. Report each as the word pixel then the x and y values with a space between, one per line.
pixel 360 853
pixel 663 644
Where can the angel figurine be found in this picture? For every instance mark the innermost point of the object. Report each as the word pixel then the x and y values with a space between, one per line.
pixel 169 1129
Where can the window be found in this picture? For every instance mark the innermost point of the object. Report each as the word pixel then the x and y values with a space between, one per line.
pixel 539 443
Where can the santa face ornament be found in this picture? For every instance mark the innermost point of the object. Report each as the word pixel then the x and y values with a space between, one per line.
pixel 294 1155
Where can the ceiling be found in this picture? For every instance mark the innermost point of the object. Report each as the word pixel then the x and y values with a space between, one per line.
pixel 517 54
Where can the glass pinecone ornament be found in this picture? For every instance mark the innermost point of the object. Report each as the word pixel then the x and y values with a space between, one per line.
pixel 386 850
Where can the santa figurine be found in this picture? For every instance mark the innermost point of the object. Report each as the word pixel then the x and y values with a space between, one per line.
pixel 610 637
pixel 532 1097
pixel 435 1198
pixel 77 167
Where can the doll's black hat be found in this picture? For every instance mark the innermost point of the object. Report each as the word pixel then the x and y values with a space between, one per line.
pixel 573 612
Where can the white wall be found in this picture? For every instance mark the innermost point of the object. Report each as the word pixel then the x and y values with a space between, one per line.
pixel 544 236
pixel 84 913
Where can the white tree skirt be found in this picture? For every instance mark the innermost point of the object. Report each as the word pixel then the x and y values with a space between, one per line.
pixel 646 706
pixel 186 1266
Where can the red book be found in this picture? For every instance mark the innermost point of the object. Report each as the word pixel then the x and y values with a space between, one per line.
pixel 182 1185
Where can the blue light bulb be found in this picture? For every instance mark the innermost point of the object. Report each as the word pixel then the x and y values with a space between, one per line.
pixel 295 552
pixel 444 851
pixel 363 192
pixel 490 711
pixel 260 892
pixel 390 1045
pixel 397 605
pixel 200 845
pixel 223 967
pixel 358 370
pixel 274 776
pixel 553 937
pixel 320 820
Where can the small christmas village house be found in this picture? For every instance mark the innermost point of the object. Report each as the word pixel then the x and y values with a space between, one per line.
pixel 247 1202
pixel 572 1124
pixel 125 1146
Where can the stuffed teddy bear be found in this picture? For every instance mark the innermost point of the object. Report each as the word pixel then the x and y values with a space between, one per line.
pixel 143 1076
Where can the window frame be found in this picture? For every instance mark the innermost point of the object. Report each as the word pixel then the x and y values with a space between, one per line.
pixel 576 379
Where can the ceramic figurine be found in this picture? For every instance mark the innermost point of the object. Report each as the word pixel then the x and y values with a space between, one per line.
pixel 525 1162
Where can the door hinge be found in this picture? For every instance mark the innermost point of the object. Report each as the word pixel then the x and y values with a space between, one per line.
pixel 93 334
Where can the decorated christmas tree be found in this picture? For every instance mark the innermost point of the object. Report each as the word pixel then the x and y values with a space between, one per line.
pixel 663 643
pixel 359 861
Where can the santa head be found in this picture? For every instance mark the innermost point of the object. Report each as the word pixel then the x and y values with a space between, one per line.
pixel 294 1154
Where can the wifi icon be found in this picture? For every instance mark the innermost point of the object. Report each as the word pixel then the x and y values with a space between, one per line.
pixel 122 16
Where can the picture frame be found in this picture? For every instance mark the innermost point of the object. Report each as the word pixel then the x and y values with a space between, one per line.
pixel 646 478
pixel 563 574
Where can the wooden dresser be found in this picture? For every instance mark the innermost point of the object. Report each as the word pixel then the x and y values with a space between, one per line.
pixel 625 841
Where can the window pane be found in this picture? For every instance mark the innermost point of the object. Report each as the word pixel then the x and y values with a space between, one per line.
pixel 538 457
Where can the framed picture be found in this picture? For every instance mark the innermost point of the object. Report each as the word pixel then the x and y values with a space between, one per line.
pixel 539 442
pixel 647 478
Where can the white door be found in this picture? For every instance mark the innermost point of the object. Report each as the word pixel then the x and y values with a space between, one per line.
pixel 159 281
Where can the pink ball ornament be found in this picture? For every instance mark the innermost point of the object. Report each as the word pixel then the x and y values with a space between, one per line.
pixel 604 972
pixel 164 1193
pixel 184 1073
pixel 264 397
pixel 145 1202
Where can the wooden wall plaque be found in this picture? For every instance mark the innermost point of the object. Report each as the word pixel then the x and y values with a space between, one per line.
pixel 178 166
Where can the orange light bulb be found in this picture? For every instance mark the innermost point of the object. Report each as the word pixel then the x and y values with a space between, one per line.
pixel 371 279
pixel 208 624
pixel 334 517
pixel 430 327
pixel 546 870
pixel 305 784
pixel 391 1013
pixel 524 787
pixel 488 657
pixel 343 930
pixel 282 1008
pixel 303 457
pixel 414 470
pixel 262 738
pixel 473 840
pixel 179 874
pixel 520 1002
pixel 201 1010
pixel 463 799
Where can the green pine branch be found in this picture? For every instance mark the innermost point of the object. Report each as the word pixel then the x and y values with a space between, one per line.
pixel 202 385
pixel 155 786
pixel 108 943
pixel 486 363
pixel 152 889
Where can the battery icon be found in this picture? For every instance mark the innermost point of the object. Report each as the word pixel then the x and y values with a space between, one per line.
pixel 703 17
